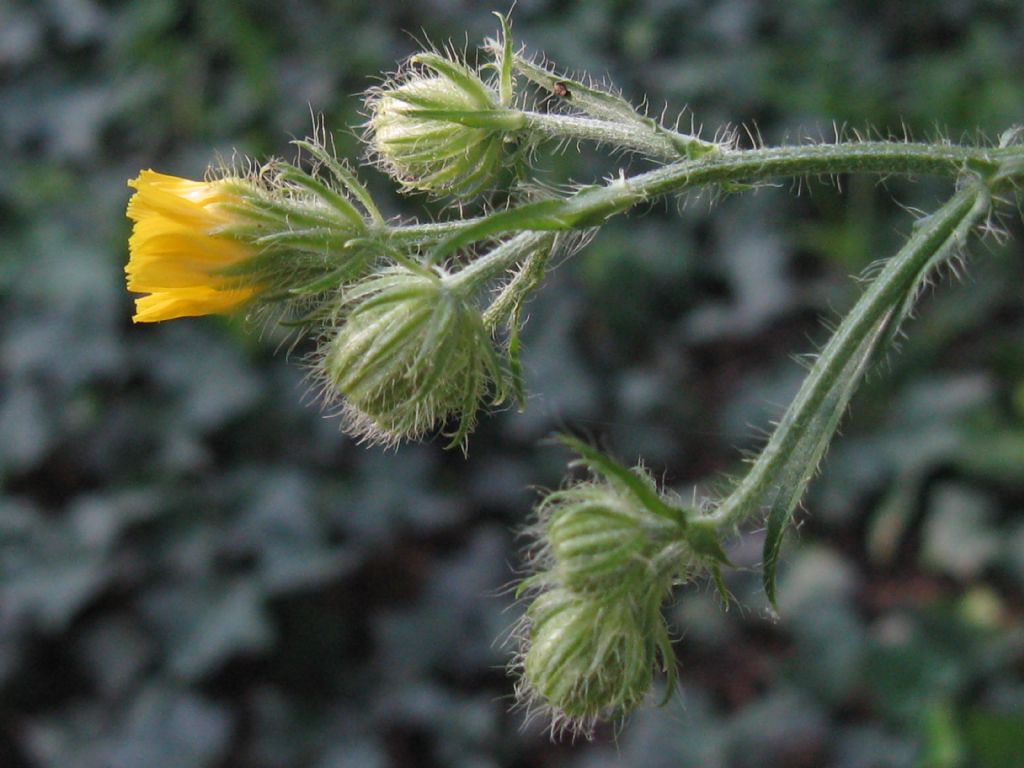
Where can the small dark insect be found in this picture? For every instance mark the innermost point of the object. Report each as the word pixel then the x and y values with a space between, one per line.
pixel 561 90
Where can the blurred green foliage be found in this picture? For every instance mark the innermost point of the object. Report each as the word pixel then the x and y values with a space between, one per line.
pixel 198 569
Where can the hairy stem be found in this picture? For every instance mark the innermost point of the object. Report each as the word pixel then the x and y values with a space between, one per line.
pixel 738 167
pixel 425 234
pixel 593 205
pixel 650 140
pixel 938 233
pixel 499 259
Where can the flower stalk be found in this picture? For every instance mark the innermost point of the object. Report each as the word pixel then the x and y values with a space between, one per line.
pixel 935 236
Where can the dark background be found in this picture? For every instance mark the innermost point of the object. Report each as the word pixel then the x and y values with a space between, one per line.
pixel 199 569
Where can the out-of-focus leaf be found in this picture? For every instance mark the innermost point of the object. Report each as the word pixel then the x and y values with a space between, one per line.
pixel 942 746
pixel 47 572
pixel 873 745
pixel 464 726
pixel 779 728
pixel 454 612
pixel 164 727
pixel 26 426
pixel 995 739
pixel 816 589
pixel 114 653
pixel 994 453
pixel 360 755
pixel 202 627
pixel 959 535
pixel 213 389
pixel 686 731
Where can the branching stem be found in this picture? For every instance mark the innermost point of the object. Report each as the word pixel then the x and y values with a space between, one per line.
pixel 593 205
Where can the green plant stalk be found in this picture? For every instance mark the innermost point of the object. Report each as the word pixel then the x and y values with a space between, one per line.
pixel 939 232
pixel 647 135
pixel 591 206
pixel 655 142
pixel 496 261
pixel 430 233
pixel 517 289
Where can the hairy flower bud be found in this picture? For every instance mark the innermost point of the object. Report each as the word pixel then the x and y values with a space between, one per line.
pixel 439 128
pixel 614 533
pixel 411 353
pixel 601 540
pixel 589 658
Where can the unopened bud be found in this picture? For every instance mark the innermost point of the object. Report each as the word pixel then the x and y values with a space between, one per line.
pixel 439 128
pixel 411 353
pixel 600 540
pixel 589 658
pixel 614 533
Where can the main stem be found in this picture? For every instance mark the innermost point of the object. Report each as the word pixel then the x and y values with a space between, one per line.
pixel 943 230
pixel 737 167
pixel 591 206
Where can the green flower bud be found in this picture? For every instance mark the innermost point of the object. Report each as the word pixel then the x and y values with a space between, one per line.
pixel 588 659
pixel 439 128
pixel 601 540
pixel 411 353
pixel 614 533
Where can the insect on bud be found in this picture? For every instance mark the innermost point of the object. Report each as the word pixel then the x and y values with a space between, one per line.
pixel 411 353
pixel 439 128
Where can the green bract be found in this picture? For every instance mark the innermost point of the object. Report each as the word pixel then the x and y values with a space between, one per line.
pixel 309 231
pixel 411 353
pixel 439 128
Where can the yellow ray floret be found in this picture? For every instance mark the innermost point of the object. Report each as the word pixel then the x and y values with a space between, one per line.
pixel 177 253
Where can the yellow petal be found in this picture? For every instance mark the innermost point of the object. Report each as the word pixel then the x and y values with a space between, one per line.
pixel 188 302
pixel 177 252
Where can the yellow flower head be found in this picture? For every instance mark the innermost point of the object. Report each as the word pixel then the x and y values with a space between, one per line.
pixel 177 253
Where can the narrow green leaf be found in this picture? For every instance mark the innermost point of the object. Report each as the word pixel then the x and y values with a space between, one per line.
pixel 540 215
pixel 343 174
pixel 505 62
pixel 797 472
pixel 593 101
pixel 325 194
pixel 451 147
pixel 668 663
pixel 723 591
pixel 616 473
pixel 702 536
pixel 515 365
pixel 492 119
pixel 790 458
